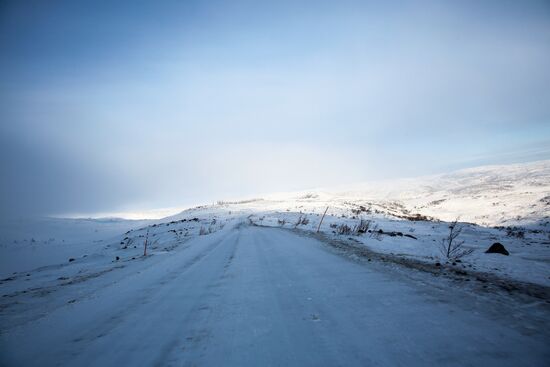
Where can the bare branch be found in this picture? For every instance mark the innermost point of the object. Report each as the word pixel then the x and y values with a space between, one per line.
pixel 450 247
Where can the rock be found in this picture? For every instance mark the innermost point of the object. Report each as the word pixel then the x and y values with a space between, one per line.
pixel 71 259
pixel 117 258
pixel 438 264
pixel 410 236
pixel 497 248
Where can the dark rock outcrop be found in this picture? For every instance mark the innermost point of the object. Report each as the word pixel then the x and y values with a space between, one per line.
pixel 497 248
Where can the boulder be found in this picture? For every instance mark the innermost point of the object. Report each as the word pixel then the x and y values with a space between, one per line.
pixel 497 248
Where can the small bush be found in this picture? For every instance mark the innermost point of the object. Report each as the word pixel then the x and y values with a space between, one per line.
pixel 362 227
pixel 343 229
pixel 450 247
pixel 515 232
pixel 302 220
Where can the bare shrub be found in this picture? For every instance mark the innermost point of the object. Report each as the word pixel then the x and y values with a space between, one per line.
pixel 281 222
pixel 202 231
pixel 515 232
pixel 362 227
pixel 343 229
pixel 450 247
pixel 302 220
pixel 360 209
pixel 129 241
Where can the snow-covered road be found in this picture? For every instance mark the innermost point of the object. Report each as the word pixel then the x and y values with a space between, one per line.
pixel 253 296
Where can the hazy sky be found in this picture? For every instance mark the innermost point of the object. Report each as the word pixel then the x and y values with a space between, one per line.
pixel 113 106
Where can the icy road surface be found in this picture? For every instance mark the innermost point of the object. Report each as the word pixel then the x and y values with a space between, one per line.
pixel 253 296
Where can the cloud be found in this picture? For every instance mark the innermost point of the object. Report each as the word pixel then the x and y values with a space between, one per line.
pixel 239 99
pixel 38 179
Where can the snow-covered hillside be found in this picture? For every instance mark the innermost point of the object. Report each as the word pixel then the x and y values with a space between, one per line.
pixel 492 196
pixel 517 194
pixel 506 204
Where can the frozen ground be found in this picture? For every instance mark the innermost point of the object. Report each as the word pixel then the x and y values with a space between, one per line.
pixel 250 282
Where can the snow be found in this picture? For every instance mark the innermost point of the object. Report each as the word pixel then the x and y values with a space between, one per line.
pixel 249 296
pixel 242 283
pixel 26 244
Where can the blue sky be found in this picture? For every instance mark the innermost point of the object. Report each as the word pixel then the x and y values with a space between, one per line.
pixel 118 106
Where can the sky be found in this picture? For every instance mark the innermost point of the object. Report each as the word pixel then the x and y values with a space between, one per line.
pixel 124 106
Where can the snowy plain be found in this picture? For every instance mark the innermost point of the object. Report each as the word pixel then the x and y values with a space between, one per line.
pixel 251 282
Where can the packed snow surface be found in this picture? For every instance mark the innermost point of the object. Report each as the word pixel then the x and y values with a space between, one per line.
pixel 251 296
